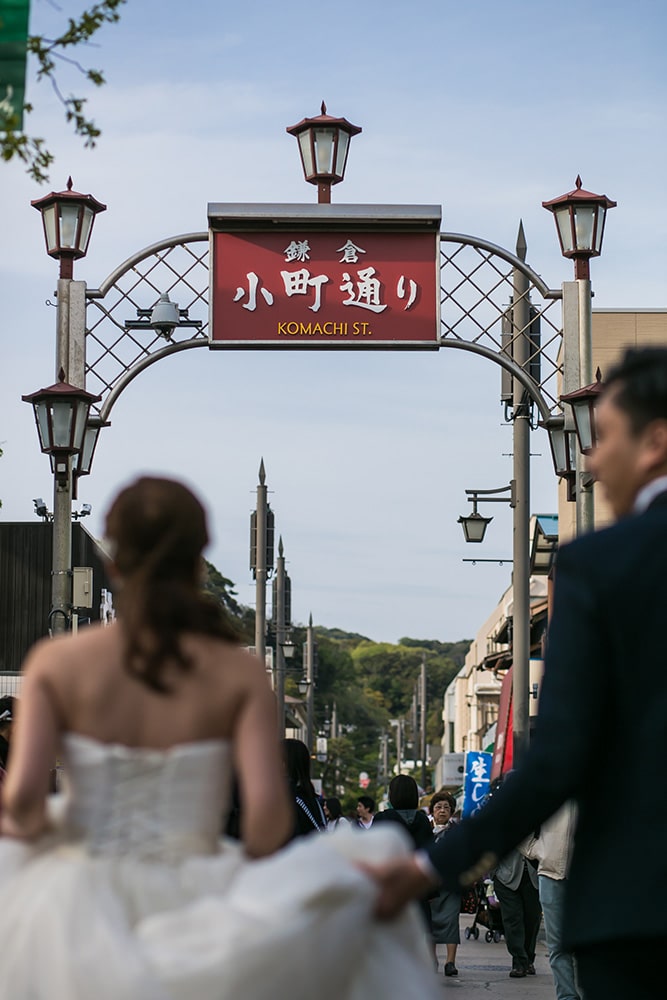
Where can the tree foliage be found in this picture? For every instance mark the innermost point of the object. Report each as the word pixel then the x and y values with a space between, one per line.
pixel 49 53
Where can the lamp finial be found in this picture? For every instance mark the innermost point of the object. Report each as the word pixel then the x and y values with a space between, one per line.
pixel 324 108
pixel 578 182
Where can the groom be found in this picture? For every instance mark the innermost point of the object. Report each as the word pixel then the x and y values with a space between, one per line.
pixel 602 728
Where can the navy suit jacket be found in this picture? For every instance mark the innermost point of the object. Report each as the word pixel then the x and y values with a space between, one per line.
pixel 601 738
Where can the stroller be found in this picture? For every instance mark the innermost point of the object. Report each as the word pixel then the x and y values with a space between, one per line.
pixel 487 913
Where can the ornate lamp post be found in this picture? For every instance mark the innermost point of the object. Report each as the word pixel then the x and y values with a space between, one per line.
pixel 61 413
pixel 580 217
pixel 68 218
pixel 324 143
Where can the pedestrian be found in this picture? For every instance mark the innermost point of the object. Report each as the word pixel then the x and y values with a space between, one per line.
pixel 602 722
pixel 308 812
pixel 365 811
pixel 404 812
pixel 445 903
pixel 334 813
pixel 515 888
pixel 552 849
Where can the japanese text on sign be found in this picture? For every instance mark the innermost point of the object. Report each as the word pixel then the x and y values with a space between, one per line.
pixel 315 286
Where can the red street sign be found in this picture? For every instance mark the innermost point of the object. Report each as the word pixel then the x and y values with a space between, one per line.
pixel 307 283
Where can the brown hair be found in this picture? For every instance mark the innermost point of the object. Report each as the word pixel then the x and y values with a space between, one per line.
pixel 157 530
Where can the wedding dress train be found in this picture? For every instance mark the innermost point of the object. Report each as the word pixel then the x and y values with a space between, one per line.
pixel 134 896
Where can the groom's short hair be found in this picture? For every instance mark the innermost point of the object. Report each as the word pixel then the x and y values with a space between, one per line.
pixel 638 385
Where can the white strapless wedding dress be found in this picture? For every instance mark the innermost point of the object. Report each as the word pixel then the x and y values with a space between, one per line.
pixel 135 897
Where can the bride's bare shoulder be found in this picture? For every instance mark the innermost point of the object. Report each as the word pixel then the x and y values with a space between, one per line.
pixel 62 652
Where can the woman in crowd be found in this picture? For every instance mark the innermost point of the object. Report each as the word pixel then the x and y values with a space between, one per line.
pixel 308 812
pixel 445 905
pixel 334 813
pixel 133 896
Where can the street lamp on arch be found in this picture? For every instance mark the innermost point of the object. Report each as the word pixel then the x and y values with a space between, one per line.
pixel 580 217
pixel 324 143
pixel 67 217
pixel 583 402
pixel 61 413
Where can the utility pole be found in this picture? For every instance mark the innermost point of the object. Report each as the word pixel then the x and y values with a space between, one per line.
pixel 422 710
pixel 310 681
pixel 521 350
pixel 279 615
pixel 261 560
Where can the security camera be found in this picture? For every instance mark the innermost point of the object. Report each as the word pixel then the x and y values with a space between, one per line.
pixel 164 316
pixel 86 509
pixel 40 508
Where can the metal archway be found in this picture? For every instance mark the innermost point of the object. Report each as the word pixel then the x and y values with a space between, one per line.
pixel 476 286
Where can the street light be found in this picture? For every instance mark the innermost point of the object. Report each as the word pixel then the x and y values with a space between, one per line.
pixel 474 525
pixel 580 217
pixel 67 217
pixel 580 220
pixel 304 684
pixel 583 402
pixel 91 434
pixel 61 413
pixel 324 143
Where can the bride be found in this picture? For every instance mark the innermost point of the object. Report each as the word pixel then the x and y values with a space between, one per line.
pixel 126 891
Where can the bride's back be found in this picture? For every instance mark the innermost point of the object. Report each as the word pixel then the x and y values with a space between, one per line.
pixel 169 672
pixel 97 696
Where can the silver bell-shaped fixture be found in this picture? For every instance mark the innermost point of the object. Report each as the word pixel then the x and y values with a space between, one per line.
pixel 164 316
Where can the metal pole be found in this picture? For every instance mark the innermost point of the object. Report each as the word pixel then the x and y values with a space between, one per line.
pixel 422 705
pixel 521 522
pixel 385 761
pixel 70 357
pixel 260 567
pixel 585 499
pixel 310 677
pixel 280 636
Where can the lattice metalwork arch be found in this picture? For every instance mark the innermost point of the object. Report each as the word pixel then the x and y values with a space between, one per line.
pixel 476 285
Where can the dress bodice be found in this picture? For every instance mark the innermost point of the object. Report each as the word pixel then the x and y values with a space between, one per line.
pixel 162 805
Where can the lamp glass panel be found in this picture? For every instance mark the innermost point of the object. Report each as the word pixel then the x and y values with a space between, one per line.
pixel 69 220
pixel 306 153
pixel 50 228
pixel 564 228
pixel 599 230
pixel 62 415
pixel 584 223
pixel 324 145
pixel 558 453
pixel 82 410
pixel 42 419
pixel 87 450
pixel 571 440
pixel 583 418
pixel 341 152
pixel 87 216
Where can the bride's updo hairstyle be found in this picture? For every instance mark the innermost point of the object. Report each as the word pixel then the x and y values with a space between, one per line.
pixel 157 531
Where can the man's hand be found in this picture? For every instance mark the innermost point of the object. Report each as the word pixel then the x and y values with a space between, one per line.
pixel 398 882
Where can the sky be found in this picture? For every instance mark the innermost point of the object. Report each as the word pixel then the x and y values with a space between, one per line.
pixel 486 109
